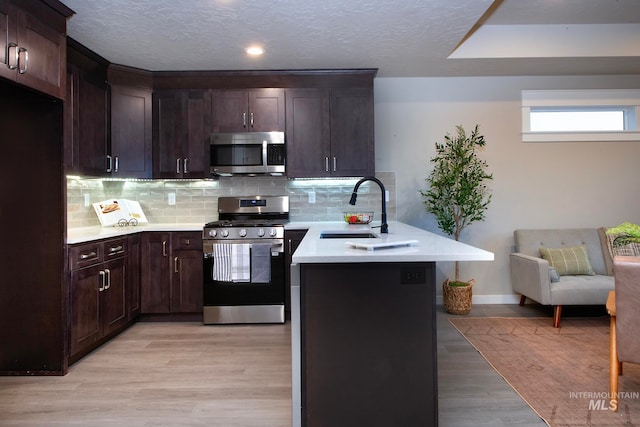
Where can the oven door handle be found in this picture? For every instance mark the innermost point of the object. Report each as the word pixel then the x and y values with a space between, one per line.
pixel 208 251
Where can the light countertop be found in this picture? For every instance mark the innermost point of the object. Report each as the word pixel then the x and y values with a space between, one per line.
pixel 88 234
pixel 427 247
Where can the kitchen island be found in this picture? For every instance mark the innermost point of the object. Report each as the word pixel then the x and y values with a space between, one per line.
pixel 363 324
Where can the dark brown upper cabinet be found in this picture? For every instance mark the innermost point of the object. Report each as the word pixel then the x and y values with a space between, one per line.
pixel 182 126
pixel 330 132
pixel 256 110
pixel 108 130
pixel 131 133
pixel 33 45
pixel 86 117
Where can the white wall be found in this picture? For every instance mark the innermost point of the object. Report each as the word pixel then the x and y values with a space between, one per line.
pixel 536 185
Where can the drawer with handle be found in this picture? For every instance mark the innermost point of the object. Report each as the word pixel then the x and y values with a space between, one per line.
pixel 88 254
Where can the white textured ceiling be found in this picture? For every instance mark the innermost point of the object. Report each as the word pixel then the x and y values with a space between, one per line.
pixel 402 38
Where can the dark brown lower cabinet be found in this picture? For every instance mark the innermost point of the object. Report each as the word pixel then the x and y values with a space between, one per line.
pixel 98 294
pixel 292 239
pixel 171 272
pixel 133 276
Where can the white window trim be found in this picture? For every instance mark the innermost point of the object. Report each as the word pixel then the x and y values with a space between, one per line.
pixel 629 98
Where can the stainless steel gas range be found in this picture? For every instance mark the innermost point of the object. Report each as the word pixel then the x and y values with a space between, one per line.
pixel 244 263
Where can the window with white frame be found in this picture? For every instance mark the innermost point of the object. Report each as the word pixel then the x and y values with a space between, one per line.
pixel 580 115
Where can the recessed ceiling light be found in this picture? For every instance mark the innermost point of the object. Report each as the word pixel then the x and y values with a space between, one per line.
pixel 255 50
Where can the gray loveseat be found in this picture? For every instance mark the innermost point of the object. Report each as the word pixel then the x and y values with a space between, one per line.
pixel 532 277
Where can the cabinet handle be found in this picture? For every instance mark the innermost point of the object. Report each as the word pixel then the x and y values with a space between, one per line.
pixel 16 56
pixel 251 119
pixel 244 119
pixel 116 164
pixel 185 167
pixel 114 249
pixel 335 163
pixel 108 275
pixel 109 163
pixel 87 256
pixel 175 265
pixel 164 248
pixel 326 164
pixel 102 276
pixel 178 165
pixel 289 246
pixel 23 70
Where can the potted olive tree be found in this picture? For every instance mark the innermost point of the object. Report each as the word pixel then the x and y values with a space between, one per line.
pixel 458 196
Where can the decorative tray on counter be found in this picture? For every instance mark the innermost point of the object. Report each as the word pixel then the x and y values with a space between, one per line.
pixel 382 245
pixel 358 217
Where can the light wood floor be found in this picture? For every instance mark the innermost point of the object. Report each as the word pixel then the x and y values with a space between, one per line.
pixel 187 374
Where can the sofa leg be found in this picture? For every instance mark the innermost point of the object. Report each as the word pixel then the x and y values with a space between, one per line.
pixel 557 312
pixel 522 300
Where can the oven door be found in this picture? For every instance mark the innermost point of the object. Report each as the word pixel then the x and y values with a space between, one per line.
pixel 245 302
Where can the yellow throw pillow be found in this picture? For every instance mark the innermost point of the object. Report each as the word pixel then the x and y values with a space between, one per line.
pixel 569 260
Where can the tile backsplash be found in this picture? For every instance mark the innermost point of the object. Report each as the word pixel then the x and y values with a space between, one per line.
pixel 197 200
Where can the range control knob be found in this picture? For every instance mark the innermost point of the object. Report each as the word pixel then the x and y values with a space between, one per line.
pixel 273 232
pixel 242 232
pixel 224 233
pixel 213 233
pixel 261 232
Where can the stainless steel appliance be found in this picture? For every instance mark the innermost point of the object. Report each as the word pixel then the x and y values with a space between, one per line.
pixel 248 153
pixel 244 263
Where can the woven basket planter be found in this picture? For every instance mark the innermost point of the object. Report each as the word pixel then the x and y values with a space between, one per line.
pixel 457 299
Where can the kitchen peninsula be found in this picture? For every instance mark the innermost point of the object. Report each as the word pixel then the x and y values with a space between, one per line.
pixel 363 324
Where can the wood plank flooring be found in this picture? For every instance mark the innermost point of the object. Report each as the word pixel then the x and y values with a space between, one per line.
pixel 187 374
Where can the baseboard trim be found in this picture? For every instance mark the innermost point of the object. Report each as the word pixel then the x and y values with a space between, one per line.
pixel 488 299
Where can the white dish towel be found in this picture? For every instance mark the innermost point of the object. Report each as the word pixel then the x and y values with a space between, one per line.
pixel 221 270
pixel 241 262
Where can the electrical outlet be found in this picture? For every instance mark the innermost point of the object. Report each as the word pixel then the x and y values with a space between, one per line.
pixel 412 276
pixel 386 195
pixel 171 198
pixel 312 196
pixel 87 201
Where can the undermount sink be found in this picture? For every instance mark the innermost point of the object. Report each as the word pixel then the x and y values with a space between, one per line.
pixel 345 234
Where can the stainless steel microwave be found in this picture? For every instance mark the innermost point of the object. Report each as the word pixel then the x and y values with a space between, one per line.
pixel 248 153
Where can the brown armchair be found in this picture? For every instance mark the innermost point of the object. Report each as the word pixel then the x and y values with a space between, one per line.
pixel 625 320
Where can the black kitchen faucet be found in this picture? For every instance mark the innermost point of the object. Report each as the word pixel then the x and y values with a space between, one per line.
pixel 384 228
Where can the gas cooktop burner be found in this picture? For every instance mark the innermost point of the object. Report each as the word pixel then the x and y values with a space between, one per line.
pixel 245 223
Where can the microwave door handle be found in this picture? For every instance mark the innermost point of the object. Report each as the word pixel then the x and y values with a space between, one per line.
pixel 265 161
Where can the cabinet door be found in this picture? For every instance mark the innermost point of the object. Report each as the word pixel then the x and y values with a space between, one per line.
pixel 155 273
pixel 266 110
pixel 352 143
pixel 259 110
pixel 90 138
pixel 167 137
pixel 230 111
pixel 186 280
pixel 196 133
pixel 85 307
pixel 7 35
pixel 308 133
pixel 45 68
pixel 113 299
pixel 131 129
